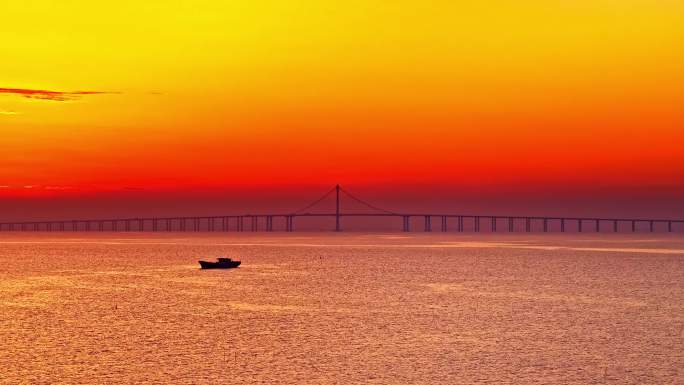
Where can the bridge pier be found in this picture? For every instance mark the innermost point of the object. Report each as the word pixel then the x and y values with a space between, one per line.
pixel 289 223
pixel 102 225
pixel 406 220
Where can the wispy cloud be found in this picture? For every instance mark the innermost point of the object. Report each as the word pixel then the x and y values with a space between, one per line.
pixel 34 187
pixel 5 112
pixel 60 96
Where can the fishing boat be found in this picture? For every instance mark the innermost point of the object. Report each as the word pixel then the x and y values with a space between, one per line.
pixel 221 263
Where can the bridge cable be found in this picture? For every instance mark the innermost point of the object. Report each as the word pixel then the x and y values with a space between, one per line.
pixel 314 203
pixel 366 203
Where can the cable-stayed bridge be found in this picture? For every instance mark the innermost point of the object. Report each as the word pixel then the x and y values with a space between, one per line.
pixel 286 221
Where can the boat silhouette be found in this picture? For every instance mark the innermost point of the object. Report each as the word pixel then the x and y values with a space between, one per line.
pixel 221 263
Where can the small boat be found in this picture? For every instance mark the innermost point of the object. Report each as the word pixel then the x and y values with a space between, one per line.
pixel 222 263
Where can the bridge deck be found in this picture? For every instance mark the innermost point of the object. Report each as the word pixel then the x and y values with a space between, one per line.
pixel 194 223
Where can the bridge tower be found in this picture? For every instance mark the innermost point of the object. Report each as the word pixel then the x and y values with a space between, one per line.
pixel 337 208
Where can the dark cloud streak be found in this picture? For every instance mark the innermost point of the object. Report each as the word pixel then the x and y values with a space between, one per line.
pixel 59 96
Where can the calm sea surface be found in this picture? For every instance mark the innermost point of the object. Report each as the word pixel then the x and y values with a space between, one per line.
pixel 340 309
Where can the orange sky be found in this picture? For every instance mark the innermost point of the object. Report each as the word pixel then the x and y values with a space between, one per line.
pixel 196 95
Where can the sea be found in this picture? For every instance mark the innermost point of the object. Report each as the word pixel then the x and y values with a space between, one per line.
pixel 342 308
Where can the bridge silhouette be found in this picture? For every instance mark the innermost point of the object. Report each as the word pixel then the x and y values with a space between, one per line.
pixel 265 222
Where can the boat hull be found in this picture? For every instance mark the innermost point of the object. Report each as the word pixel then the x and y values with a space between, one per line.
pixel 219 265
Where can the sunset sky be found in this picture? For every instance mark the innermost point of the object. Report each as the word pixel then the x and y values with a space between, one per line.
pixel 222 105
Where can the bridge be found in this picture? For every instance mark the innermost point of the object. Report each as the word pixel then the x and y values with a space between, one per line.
pixel 265 222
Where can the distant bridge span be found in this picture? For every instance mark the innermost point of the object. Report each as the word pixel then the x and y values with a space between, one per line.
pixel 265 222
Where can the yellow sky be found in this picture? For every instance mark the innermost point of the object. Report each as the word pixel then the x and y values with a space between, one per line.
pixel 347 77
